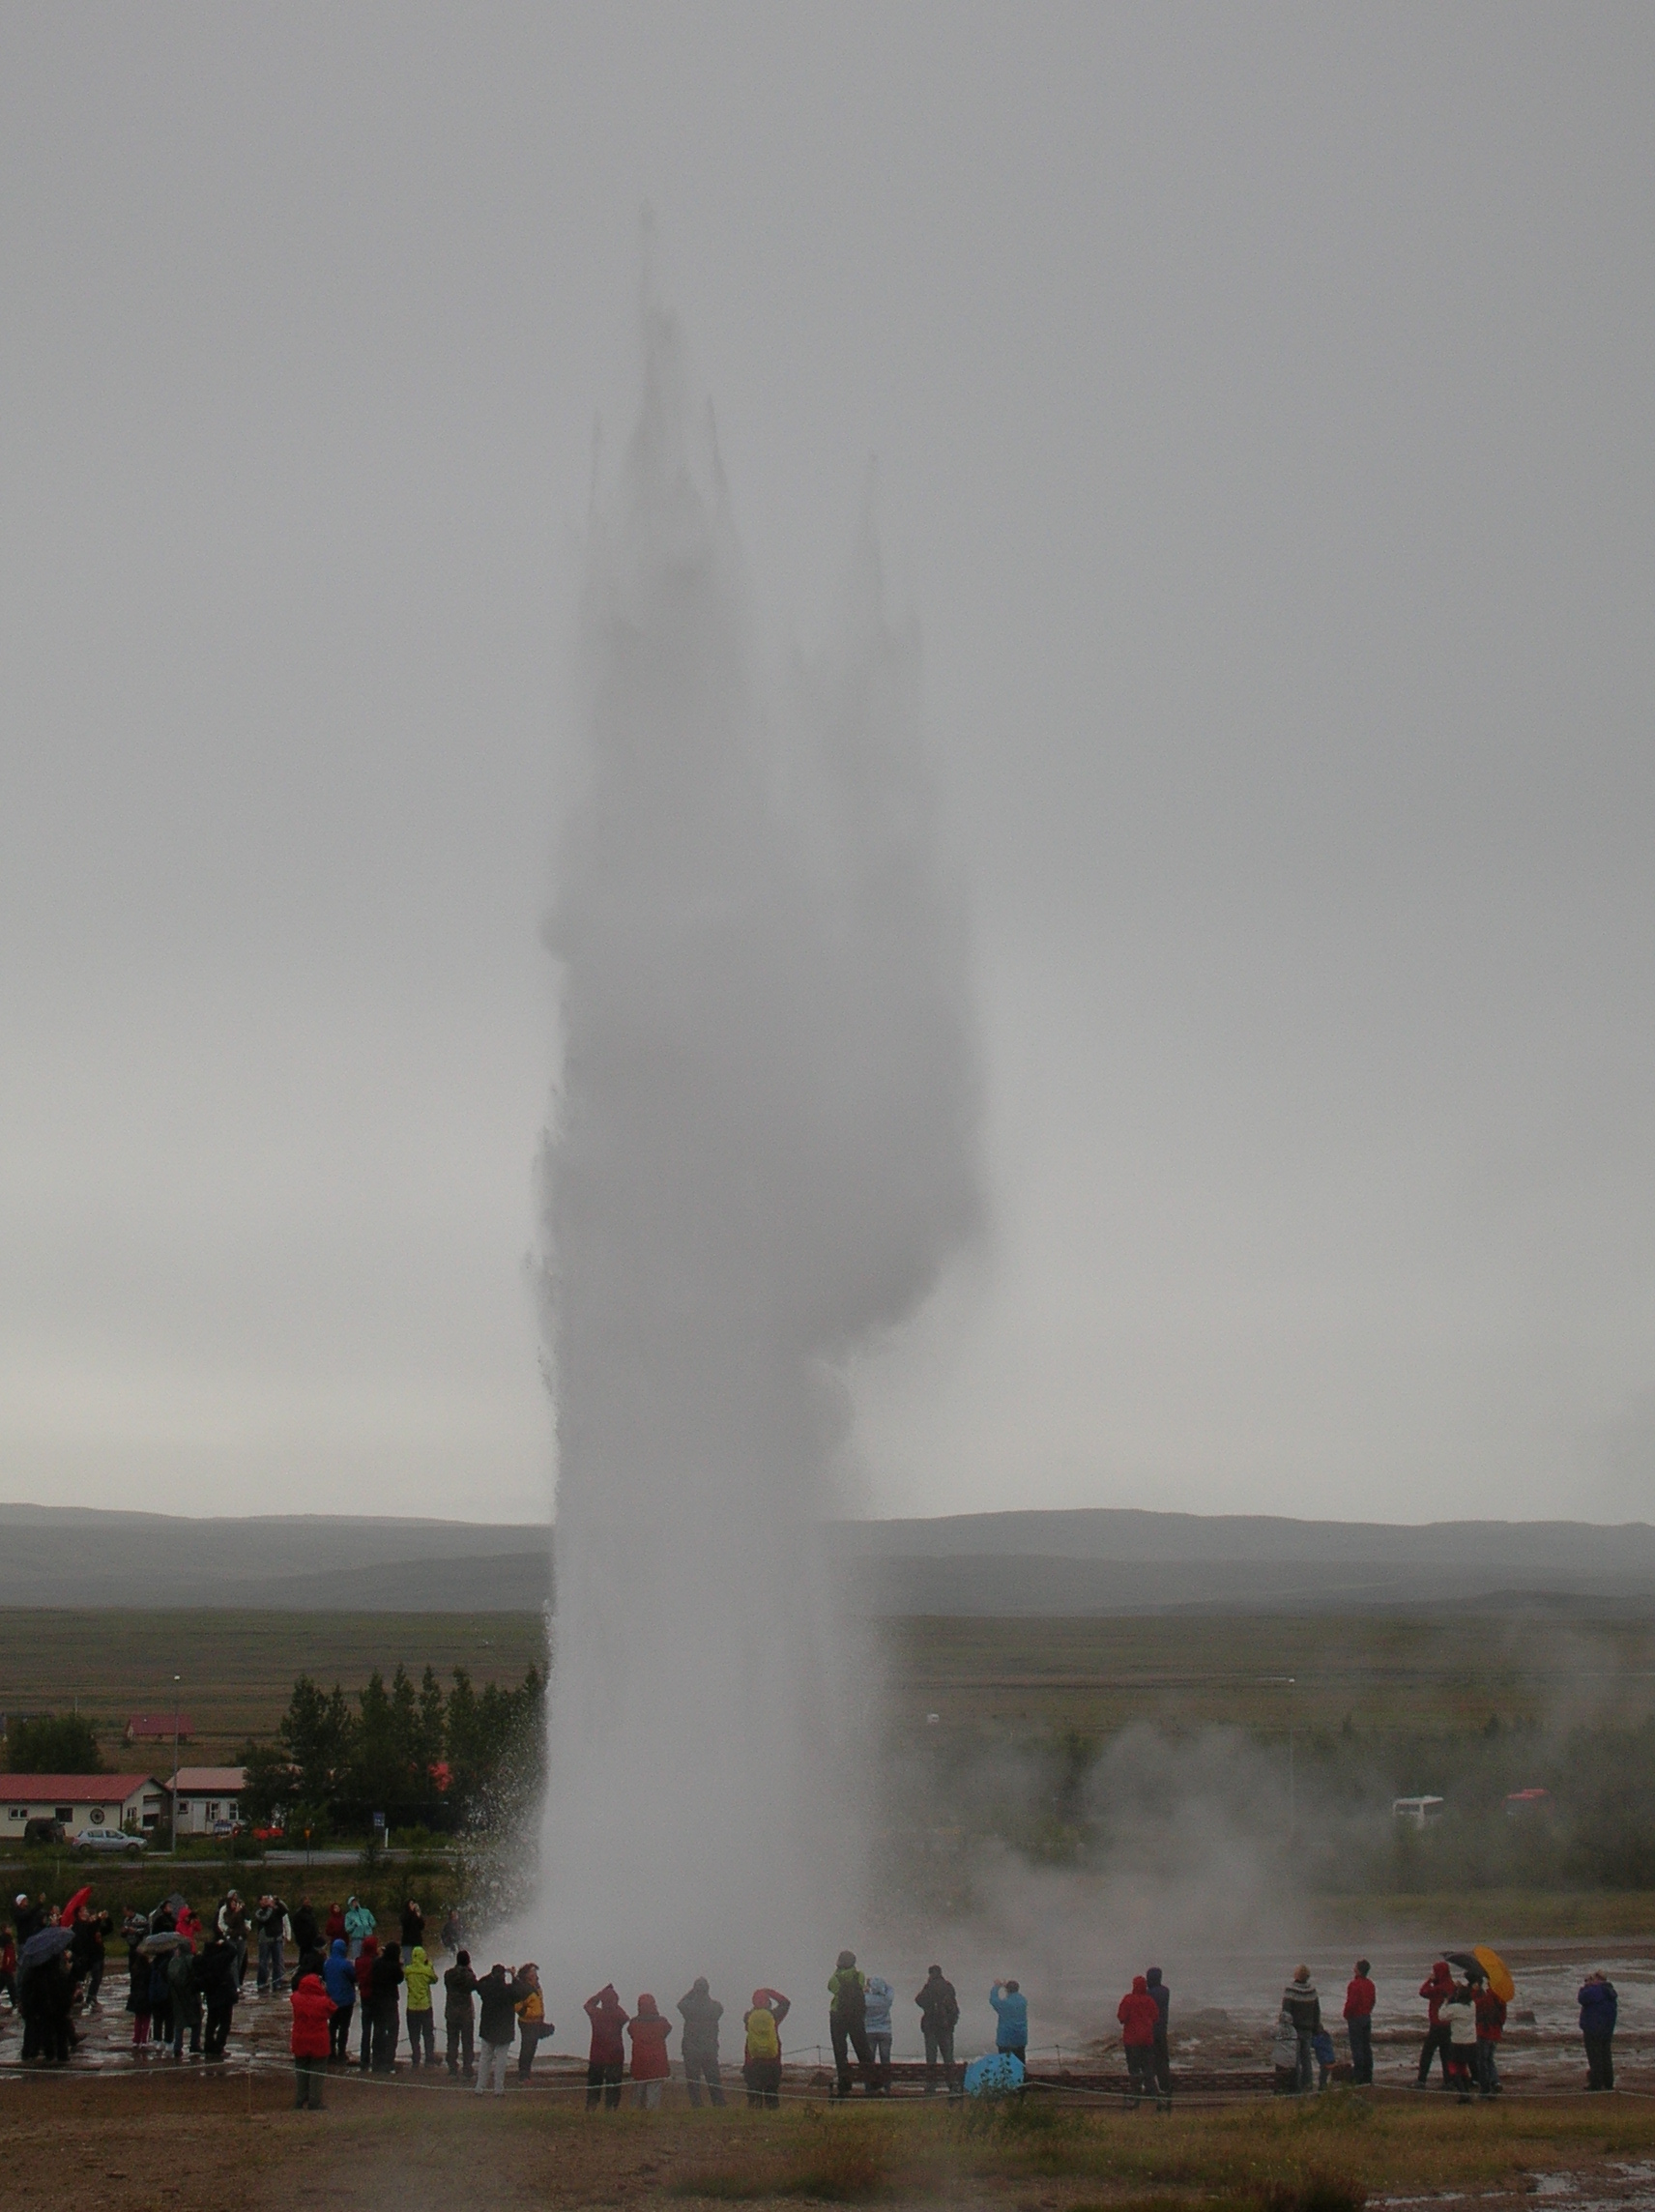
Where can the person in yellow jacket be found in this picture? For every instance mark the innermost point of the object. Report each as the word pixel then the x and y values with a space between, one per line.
pixel 418 1975
pixel 760 2062
pixel 532 2022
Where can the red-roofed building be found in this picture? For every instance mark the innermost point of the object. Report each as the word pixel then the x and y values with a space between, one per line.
pixel 148 1727
pixel 80 1801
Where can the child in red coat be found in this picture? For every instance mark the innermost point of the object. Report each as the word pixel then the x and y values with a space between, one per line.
pixel 312 2009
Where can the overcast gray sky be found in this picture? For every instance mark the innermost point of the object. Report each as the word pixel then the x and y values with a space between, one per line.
pixel 1263 408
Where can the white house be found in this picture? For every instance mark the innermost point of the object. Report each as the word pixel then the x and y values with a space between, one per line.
pixel 117 1802
pixel 207 1795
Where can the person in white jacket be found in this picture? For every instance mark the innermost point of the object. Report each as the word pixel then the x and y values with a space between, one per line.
pixel 878 1995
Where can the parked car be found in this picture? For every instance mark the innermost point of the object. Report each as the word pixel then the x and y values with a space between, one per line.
pixel 225 1831
pixel 44 1832
pixel 268 1835
pixel 109 1843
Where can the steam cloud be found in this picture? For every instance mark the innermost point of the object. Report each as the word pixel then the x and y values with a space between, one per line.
pixel 762 1154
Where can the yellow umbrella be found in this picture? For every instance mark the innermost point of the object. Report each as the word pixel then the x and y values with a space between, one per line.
pixel 1500 1977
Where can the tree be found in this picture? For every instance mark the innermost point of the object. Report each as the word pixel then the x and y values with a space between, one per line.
pixel 54 1744
pixel 317 1735
pixel 271 1783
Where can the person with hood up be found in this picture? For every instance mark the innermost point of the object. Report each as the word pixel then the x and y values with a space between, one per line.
pixel 363 1970
pixel 532 2026
pixel 761 2052
pixel 340 1980
pixel 847 2025
pixel 135 1928
pixel 216 1972
pixel 1490 2027
pixel 649 2029
pixel 1436 1989
pixel 459 1986
pixel 310 2041
pixel 1163 1997
pixel 939 2017
pixel 698 2047
pixel 1138 2014
pixel 418 1976
pixel 1360 1996
pixel 360 1925
pixel 1011 2012
pixel 1302 2002
pixel 496 2027
pixel 877 1998
pixel 607 2061
pixel 384 1978
pixel 334 1928
pixel 1600 2008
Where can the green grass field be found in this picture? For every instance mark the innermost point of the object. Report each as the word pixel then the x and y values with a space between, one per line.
pixel 238 1668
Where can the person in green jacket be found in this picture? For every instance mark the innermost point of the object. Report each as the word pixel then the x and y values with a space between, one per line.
pixel 359 1922
pixel 418 1975
pixel 847 2022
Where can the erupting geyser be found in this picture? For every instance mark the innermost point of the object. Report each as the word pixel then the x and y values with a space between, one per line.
pixel 761 1154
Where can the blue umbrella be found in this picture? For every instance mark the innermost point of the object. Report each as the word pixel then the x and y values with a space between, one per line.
pixel 47 1945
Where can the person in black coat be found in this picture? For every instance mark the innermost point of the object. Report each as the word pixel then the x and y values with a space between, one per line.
pixel 939 2017
pixel 384 1981
pixel 216 1978
pixel 459 1986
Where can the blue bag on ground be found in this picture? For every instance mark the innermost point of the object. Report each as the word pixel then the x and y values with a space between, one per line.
pixel 999 2072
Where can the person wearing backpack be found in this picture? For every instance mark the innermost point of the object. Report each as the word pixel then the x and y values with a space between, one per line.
pixel 846 2024
pixel 760 2062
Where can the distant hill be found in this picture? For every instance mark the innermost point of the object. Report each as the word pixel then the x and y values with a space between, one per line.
pixel 1066 1563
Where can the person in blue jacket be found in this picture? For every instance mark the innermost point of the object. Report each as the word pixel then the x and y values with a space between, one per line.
pixel 1012 2006
pixel 1598 2009
pixel 340 1980
pixel 876 1996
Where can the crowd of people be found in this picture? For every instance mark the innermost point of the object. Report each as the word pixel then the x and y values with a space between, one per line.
pixel 184 1979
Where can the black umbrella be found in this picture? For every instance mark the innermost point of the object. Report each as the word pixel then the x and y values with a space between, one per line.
pixel 46 1944
pixel 1474 1966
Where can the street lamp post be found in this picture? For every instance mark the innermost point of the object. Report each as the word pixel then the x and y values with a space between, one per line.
pixel 172 1817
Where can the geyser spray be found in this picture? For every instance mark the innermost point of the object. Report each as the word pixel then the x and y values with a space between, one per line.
pixel 761 1154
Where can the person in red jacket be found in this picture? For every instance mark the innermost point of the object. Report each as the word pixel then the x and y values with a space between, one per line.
pixel 1435 1992
pixel 1490 2027
pixel 607 2062
pixel 312 2009
pixel 651 2067
pixel 1359 1999
pixel 1139 2014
